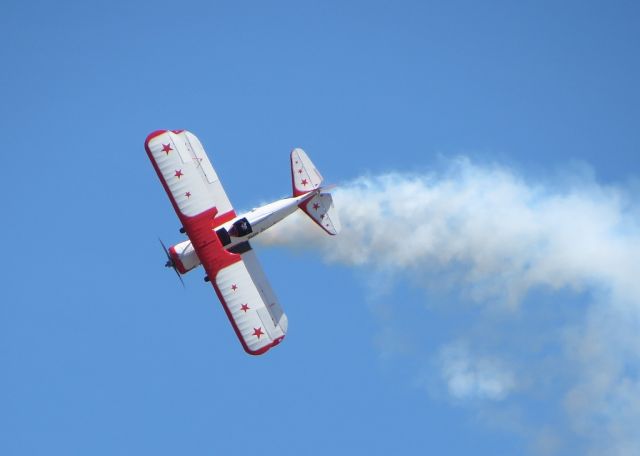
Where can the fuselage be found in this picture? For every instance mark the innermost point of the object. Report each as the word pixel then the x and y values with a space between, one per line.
pixel 240 229
pixel 250 224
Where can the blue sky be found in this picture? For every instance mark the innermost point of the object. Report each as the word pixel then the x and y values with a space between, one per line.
pixel 103 352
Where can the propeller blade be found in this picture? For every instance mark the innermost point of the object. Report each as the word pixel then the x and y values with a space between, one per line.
pixel 180 277
pixel 170 263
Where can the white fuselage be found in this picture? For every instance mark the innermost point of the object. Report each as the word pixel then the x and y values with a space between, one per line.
pixel 263 217
pixel 242 228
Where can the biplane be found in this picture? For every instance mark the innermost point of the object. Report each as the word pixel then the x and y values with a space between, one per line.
pixel 218 238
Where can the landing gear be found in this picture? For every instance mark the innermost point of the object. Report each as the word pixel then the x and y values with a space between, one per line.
pixel 207 279
pixel 182 230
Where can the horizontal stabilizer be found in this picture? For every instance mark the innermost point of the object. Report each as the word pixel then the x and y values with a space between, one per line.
pixel 322 211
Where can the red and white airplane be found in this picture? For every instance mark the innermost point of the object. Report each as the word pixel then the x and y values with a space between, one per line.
pixel 219 239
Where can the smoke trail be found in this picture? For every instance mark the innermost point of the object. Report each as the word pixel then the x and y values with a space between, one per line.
pixel 497 237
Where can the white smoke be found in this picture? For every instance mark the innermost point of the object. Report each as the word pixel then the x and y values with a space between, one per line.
pixel 494 238
pixel 474 377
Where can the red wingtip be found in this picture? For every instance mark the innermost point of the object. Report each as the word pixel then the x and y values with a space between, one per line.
pixel 152 135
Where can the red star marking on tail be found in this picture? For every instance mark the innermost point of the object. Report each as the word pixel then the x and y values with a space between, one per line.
pixel 179 173
pixel 316 206
pixel 234 287
pixel 166 148
pixel 188 194
pixel 245 307
pixel 258 332
pixel 304 182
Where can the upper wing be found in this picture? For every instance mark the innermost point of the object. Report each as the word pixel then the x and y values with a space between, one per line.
pixel 186 173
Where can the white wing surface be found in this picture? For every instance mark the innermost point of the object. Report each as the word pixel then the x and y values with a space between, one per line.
pixel 250 303
pixel 186 172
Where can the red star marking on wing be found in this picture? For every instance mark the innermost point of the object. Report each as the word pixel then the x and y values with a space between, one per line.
pixel 244 307
pixel 316 206
pixel 188 194
pixel 166 148
pixel 179 173
pixel 234 287
pixel 304 182
pixel 258 332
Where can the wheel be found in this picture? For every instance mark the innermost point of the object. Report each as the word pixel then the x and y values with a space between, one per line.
pixel 182 230
pixel 206 278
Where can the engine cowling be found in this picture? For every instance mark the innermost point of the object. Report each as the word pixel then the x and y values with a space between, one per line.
pixel 184 256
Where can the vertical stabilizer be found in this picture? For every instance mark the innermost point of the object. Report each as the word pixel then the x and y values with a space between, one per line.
pixel 304 175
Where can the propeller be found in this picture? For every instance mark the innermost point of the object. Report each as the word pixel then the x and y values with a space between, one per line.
pixel 170 263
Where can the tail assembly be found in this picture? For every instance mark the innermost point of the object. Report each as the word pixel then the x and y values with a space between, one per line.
pixel 306 178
